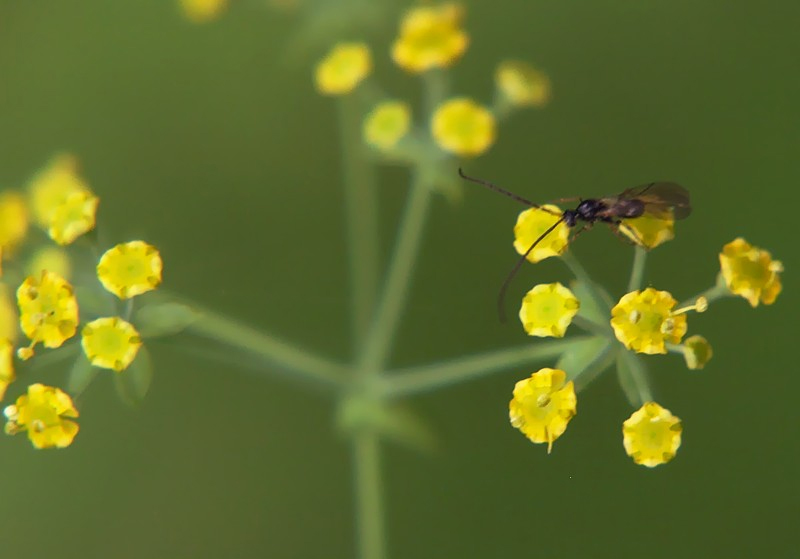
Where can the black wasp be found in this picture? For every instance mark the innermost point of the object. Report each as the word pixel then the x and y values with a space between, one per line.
pixel 662 200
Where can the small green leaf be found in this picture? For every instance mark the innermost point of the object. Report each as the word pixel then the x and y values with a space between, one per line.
pixel 81 375
pixel 586 359
pixel 133 383
pixel 633 379
pixel 164 319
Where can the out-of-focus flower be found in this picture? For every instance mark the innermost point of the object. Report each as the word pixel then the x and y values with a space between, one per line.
pixel 50 258
pixel 750 272
pixel 110 343
pixel 531 224
pixel 651 435
pixel 74 217
pixel 430 37
pixel 343 68
pixel 48 311
pixel 6 365
pixel 43 412
pixel 386 124
pixel 543 406
pixel 697 352
pixel 13 219
pixel 520 84
pixel 130 269
pixel 548 309
pixel 202 11
pixel 648 231
pixel 9 315
pixel 463 127
pixel 644 321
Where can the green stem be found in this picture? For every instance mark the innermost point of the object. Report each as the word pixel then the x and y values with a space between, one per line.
pixel 600 363
pixel 637 270
pixel 593 327
pixel 582 276
pixel 271 350
pixel 403 382
pixel 361 209
pixel 718 291
pixel 633 378
pixel 398 279
pixel 369 501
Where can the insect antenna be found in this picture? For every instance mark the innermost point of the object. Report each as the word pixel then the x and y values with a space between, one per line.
pixel 503 191
pixel 502 294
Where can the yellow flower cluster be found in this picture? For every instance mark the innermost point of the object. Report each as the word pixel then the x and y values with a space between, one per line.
pixel 343 68
pixel 46 414
pixel 430 37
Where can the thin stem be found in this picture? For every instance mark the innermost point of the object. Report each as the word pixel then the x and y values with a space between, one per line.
pixel 633 377
pixel 369 498
pixel 637 270
pixel 582 276
pixel 271 350
pixel 398 280
pixel 361 209
pixel 402 382
pixel 718 291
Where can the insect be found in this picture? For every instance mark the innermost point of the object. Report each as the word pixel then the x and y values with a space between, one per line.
pixel 662 200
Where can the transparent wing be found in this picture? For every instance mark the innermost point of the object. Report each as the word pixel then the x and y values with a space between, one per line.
pixel 662 199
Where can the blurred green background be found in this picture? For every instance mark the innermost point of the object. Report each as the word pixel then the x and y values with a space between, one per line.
pixel 210 142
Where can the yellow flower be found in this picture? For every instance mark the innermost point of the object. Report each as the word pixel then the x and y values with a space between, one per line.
pixel 13 219
pixel 6 365
pixel 644 320
pixel 430 37
pixel 73 217
pixel 386 124
pixel 52 186
pixel 42 412
pixel 543 405
pixel 648 231
pixel 50 258
pixel 750 272
pixel 531 224
pixel 9 315
pixel 110 343
pixel 697 352
pixel 651 435
pixel 202 11
pixel 548 309
pixel 130 269
pixel 48 310
pixel 521 84
pixel 343 68
pixel 462 127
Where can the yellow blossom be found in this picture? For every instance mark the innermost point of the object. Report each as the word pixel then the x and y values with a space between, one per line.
pixel 697 352
pixel 52 186
pixel 644 321
pixel 6 365
pixel 73 217
pixel 543 406
pixel 463 127
pixel 110 343
pixel 548 309
pixel 13 219
pixel 531 224
pixel 750 272
pixel 130 269
pixel 202 11
pixel 386 124
pixel 43 413
pixel 9 315
pixel 648 231
pixel 48 310
pixel 343 68
pixel 521 84
pixel 430 37
pixel 652 435
pixel 50 258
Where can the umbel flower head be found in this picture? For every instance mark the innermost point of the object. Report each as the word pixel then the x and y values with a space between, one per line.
pixel 543 406
pixel 130 269
pixel 430 37
pixel 110 343
pixel 44 413
pixel 548 309
pixel 343 68
pixel 531 223
pixel 48 311
pixel 386 124
pixel 750 272
pixel 644 321
pixel 520 84
pixel 462 127
pixel 651 435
